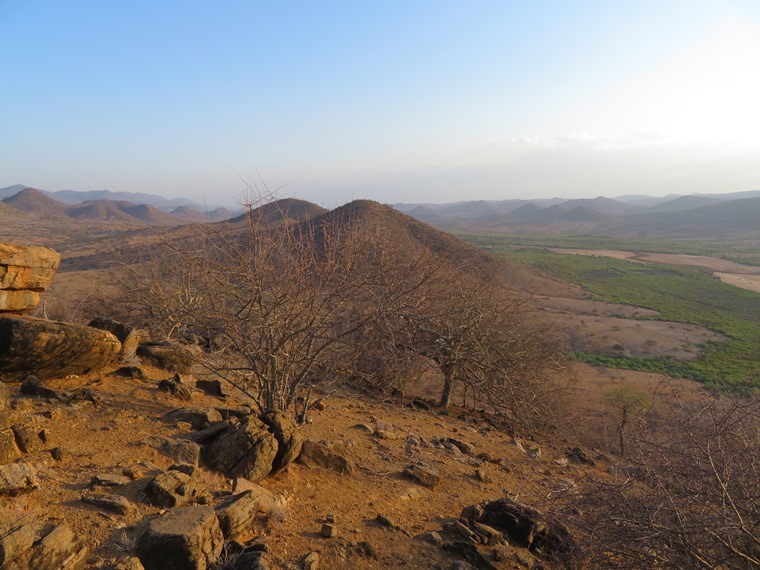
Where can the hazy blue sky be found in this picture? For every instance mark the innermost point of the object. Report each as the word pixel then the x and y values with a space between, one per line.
pixel 414 101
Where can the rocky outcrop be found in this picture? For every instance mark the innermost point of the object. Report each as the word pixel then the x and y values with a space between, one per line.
pixel 25 271
pixel 528 527
pixel 50 349
pixel 184 538
pixel 247 450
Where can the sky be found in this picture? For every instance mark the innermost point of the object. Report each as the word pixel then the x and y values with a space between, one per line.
pixel 391 100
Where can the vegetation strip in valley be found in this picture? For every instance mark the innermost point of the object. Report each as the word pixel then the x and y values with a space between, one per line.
pixel 733 252
pixel 678 293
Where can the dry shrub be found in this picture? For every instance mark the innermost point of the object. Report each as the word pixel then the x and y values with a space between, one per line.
pixel 688 497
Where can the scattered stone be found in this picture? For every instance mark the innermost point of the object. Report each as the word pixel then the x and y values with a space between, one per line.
pixel 319 405
pixel 29 438
pixel 328 531
pixel 309 561
pixel 59 549
pixel 17 478
pixel 128 336
pixel 462 565
pixel 57 453
pixel 199 418
pixel 50 349
pixel 246 451
pixel 212 388
pixel 330 519
pixel 482 476
pixel 421 405
pixel 109 502
pixel 174 489
pixel 462 446
pixel 430 537
pixel 487 458
pixel 579 455
pixel 422 475
pixel 109 480
pixel 175 387
pixel 561 461
pixel 518 444
pixel 31 386
pixel 9 451
pixel 183 538
pixel 134 372
pixel 167 356
pixel 319 454
pixel 364 427
pixel 80 395
pixel 237 513
pixel 534 452
pixel 181 450
pixel 289 440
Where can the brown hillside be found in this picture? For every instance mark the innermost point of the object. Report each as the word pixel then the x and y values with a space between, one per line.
pixel 403 233
pixel 33 201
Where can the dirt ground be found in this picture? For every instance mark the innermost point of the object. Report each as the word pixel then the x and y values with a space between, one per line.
pixel 125 428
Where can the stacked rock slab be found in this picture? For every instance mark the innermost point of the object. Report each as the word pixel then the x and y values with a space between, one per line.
pixel 46 349
pixel 25 272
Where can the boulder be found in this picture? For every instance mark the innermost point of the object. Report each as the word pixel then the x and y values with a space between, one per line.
pixel 59 549
pixel 237 513
pixel 289 440
pixel 175 387
pixel 174 488
pixel 128 336
pixel 246 451
pixel 17 478
pixel 130 563
pixel 27 267
pixel 108 501
pixel 50 349
pixel 318 454
pixel 167 356
pixel 212 388
pixel 29 437
pixel 25 271
pixel 422 475
pixel 181 450
pixel 186 538
pixel 16 545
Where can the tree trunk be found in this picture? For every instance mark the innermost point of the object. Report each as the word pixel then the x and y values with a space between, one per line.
pixel 448 386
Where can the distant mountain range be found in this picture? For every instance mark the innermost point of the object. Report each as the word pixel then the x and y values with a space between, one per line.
pixel 690 215
pixel 104 205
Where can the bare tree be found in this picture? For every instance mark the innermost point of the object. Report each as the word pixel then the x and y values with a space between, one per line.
pixel 273 300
